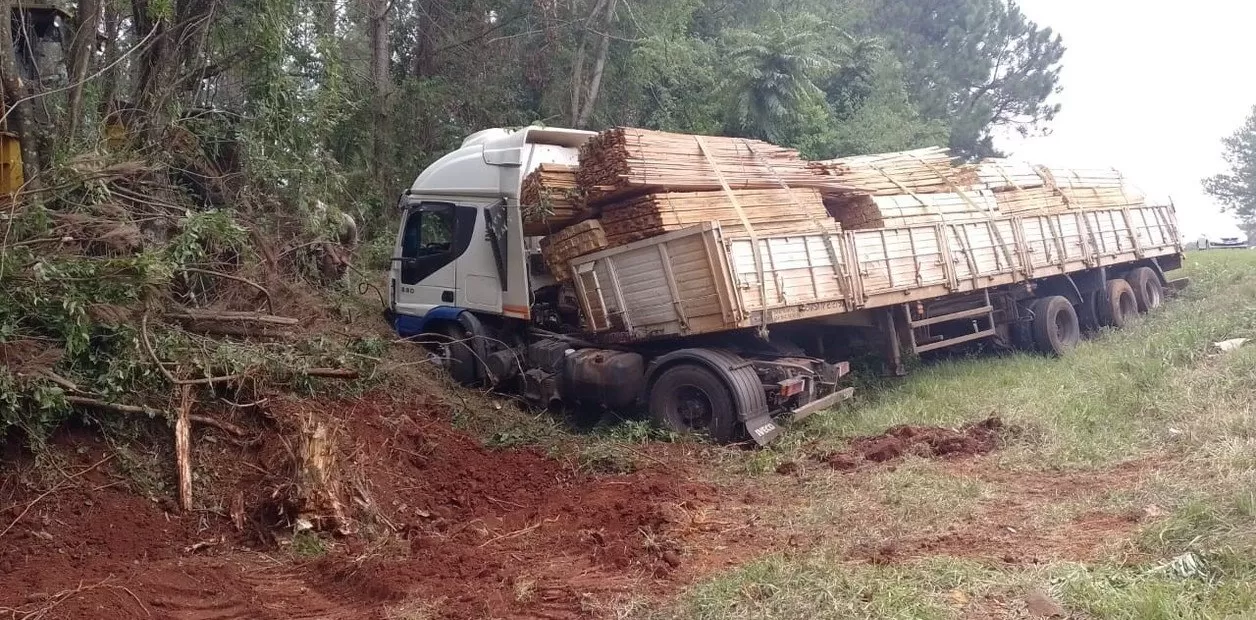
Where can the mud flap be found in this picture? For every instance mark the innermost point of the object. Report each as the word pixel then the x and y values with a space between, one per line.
pixel 762 429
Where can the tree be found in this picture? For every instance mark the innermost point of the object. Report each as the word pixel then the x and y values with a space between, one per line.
pixel 772 76
pixel 977 64
pixel 1236 189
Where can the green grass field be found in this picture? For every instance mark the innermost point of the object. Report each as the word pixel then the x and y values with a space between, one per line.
pixel 1129 490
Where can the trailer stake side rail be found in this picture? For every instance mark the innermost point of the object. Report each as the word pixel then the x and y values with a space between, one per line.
pixel 697 281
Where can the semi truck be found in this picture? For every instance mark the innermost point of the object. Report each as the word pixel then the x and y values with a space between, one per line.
pixel 735 337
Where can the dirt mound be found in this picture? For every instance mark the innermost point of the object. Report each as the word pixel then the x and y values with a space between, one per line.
pixel 924 441
pixel 442 523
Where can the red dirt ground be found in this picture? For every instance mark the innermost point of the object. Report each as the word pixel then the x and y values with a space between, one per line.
pixel 924 441
pixel 471 532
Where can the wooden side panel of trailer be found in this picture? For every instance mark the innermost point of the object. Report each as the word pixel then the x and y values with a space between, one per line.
pixel 698 281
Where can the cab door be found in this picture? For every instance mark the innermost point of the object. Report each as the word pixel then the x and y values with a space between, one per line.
pixel 424 273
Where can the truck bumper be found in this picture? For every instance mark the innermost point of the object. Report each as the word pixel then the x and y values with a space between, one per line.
pixel 820 404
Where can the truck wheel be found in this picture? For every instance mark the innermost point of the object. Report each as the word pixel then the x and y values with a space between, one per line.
pixel 1055 326
pixel 450 345
pixel 1147 289
pixel 1088 311
pixel 689 399
pixel 1118 306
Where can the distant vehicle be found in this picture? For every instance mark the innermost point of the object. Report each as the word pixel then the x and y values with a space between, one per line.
pixel 1228 240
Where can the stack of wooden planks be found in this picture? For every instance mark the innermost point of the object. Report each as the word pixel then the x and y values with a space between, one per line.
pixel 769 212
pixel 551 200
pixel 921 171
pixel 574 241
pixel 1039 200
pixel 862 212
pixel 626 162
pixel 1008 174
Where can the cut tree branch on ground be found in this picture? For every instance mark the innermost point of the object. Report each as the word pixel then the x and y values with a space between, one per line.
pixel 244 317
pixel 95 403
pixel 183 448
pixel 332 373
pixel 218 329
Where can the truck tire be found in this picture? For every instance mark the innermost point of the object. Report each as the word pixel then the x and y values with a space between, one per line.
pixel 450 344
pixel 1148 291
pixel 689 399
pixel 1055 327
pixel 1118 306
pixel 1088 312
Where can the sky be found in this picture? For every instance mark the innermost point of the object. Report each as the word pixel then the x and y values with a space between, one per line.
pixel 1150 88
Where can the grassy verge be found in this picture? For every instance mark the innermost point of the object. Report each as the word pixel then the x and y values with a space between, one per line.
pixel 1151 421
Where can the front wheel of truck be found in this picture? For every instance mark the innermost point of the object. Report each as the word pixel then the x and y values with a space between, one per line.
pixel 689 399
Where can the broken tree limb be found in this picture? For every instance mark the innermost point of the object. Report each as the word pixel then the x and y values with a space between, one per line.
pixel 96 403
pixel 270 302
pixel 219 329
pixel 243 317
pixel 183 448
pixel 225 427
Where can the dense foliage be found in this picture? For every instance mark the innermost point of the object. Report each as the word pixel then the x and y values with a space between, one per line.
pixel 345 101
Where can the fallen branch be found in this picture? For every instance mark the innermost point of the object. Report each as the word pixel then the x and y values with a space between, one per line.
pixel 208 327
pixel 332 373
pixel 247 317
pixel 225 427
pixel 66 384
pixel 183 448
pixel 270 302
pixel 84 401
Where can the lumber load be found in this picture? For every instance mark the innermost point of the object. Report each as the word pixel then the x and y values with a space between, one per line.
pixel 1006 175
pixel 574 241
pixel 862 212
pixel 551 200
pixel 920 171
pixel 770 212
pixel 1102 197
pixel 627 162
pixel 1080 178
pixel 1035 200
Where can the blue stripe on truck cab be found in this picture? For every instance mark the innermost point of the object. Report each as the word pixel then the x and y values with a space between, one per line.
pixel 409 326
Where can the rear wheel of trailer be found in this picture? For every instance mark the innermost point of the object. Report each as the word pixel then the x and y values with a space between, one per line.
pixel 1148 292
pixel 1055 328
pixel 1119 305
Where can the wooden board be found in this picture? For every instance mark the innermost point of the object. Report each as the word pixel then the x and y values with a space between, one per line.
pixel 773 211
pixel 920 171
pixel 626 162
pixel 551 200
pixel 577 240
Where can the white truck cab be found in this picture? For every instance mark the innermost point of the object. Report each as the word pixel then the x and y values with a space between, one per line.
pixel 461 245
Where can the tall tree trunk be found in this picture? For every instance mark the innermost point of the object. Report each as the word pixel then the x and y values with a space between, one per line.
pixel 86 21
pixel 153 71
pixel 109 88
pixel 381 85
pixel 17 108
pixel 584 92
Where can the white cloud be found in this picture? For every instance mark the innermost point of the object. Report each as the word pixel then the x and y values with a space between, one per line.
pixel 1150 88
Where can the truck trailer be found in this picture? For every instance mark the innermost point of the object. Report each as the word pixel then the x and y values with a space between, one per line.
pixel 732 337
